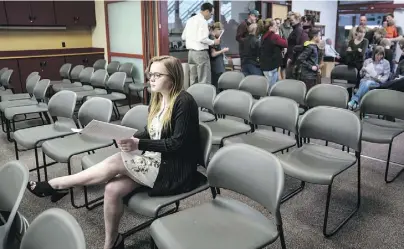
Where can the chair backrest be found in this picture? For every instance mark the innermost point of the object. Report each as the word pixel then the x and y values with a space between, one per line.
pixel 13 181
pixel 332 124
pixel 32 74
pixel 277 112
pixel 255 84
pixel 230 80
pixel 64 70
pixel 128 69
pixel 383 102
pixel 95 108
pixel 99 64
pixel 86 74
pixel 292 89
pixel 54 228
pixel 187 72
pixel 99 78
pixel 344 73
pixel 205 135
pixel 5 78
pixel 117 82
pixel 327 95
pixel 249 171
pixel 204 94
pixel 3 70
pixel 234 103
pixel 113 67
pixel 31 83
pixel 75 73
pixel 40 89
pixel 62 104
pixel 136 117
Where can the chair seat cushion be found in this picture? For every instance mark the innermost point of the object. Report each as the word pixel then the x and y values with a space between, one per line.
pixel 15 103
pixel 11 112
pixel 99 156
pixel 223 128
pixel 206 116
pixel 6 92
pixel 95 91
pixel 17 96
pixel 79 88
pixel 64 86
pixel 136 87
pixel 221 223
pixel 380 131
pixel 143 204
pixel 344 85
pixel 30 136
pixel 114 96
pixel 61 149
pixel 264 139
pixel 316 163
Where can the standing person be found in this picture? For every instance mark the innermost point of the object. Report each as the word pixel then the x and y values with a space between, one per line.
pixel 355 53
pixel 285 30
pixel 196 36
pixel 242 29
pixel 272 45
pixel 216 54
pixel 309 59
pixel 250 47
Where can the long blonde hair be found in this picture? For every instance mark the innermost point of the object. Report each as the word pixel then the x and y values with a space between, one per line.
pixel 176 74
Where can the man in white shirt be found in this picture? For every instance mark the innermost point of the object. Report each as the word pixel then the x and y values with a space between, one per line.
pixel 329 52
pixel 196 37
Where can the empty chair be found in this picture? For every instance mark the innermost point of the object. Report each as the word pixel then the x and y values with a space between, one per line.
pixel 13 181
pixel 387 103
pixel 344 76
pixel 327 95
pixel 5 82
pixel 97 79
pixel 84 80
pixel 64 72
pixel 225 222
pixel 236 64
pixel 292 89
pixel 61 106
pixel 234 103
pixel 113 67
pixel 230 80
pixel 98 82
pixel 318 164
pixel 277 112
pixel 204 96
pixel 99 64
pixel 32 83
pixel 134 87
pixel 185 67
pixel 29 86
pixel 54 228
pixel 256 85
pixel 72 81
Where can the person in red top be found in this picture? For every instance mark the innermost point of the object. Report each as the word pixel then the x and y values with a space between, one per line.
pixel 272 45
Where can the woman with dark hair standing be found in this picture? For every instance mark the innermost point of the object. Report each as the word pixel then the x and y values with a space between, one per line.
pixel 355 53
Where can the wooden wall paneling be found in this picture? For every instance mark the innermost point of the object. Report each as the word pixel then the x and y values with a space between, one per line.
pixel 3 17
pixel 18 13
pixel 15 77
pixel 43 13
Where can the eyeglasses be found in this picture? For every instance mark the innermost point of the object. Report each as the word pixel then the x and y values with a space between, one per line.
pixel 155 75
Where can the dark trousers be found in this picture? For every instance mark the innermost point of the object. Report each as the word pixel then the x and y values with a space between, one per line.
pixel 250 69
pixel 215 79
pixel 309 82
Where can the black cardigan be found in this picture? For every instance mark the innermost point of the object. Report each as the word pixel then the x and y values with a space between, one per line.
pixel 180 149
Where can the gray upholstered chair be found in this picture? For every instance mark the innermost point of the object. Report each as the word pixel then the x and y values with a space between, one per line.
pixel 234 103
pixel 204 95
pixel 292 89
pixel 187 71
pixel 133 86
pixel 154 207
pixel 5 79
pixel 344 76
pixel 256 85
pixel 99 64
pixel 71 81
pixel 61 150
pixel 29 86
pixel 98 82
pixel 230 80
pixel 64 72
pixel 32 82
pixel 13 181
pixel 277 112
pixel 113 67
pixel 386 103
pixel 61 106
pixel 54 228
pixel 327 95
pixel 318 164
pixel 225 222
pixel 82 85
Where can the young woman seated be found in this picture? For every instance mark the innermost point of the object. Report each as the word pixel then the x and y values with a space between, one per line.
pixel 375 72
pixel 171 152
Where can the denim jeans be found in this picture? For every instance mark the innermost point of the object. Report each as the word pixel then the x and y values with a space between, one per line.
pixel 250 69
pixel 272 77
pixel 364 86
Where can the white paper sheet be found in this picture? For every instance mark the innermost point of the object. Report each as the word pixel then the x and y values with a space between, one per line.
pixel 220 36
pixel 106 130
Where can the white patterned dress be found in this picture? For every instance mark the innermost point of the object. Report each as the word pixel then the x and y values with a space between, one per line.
pixel 144 168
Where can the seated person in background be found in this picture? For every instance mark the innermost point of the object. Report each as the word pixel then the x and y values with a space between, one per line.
pixel 400 68
pixel 217 66
pixel 386 44
pixel 171 152
pixel 250 47
pixel 309 59
pixel 375 72
pixel 330 54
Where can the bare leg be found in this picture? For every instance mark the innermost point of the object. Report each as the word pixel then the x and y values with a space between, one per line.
pixel 115 190
pixel 99 173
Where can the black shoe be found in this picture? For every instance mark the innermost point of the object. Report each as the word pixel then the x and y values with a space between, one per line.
pixel 43 189
pixel 119 242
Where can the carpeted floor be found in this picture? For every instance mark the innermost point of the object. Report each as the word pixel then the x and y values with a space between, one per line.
pixel 378 223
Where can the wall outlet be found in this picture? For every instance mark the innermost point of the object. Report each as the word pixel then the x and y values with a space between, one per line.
pixel 63 44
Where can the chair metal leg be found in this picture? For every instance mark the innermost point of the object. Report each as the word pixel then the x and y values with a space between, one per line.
pixel 293 192
pixel 281 236
pixel 96 202
pixel 69 171
pixel 152 244
pixel 16 150
pixel 388 165
pixel 327 206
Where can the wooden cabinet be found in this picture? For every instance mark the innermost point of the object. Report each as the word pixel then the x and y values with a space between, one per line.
pixel 30 13
pixel 16 82
pixel 3 17
pixel 75 13
pixel 47 67
pixel 86 60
